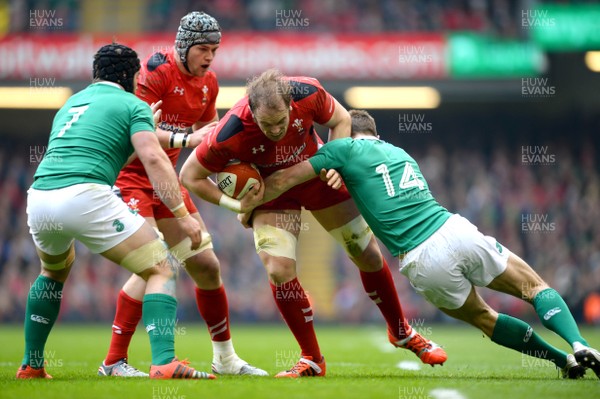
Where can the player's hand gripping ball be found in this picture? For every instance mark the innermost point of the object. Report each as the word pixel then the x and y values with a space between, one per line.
pixel 238 178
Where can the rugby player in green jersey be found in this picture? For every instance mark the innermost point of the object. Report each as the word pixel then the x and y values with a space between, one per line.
pixel 443 255
pixel 93 136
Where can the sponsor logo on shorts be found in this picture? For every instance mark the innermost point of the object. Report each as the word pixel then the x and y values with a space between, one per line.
pixel 551 313
pixel 39 319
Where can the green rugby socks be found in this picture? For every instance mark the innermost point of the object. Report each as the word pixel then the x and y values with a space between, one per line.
pixel 518 335
pixel 556 316
pixel 158 313
pixel 43 305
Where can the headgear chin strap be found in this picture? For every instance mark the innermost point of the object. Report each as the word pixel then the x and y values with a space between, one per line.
pixel 196 27
pixel 116 63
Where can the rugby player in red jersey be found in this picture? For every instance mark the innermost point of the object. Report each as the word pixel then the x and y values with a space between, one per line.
pixel 181 79
pixel 273 127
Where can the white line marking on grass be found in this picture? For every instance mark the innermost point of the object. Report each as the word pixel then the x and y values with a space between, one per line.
pixel 9 364
pixel 445 393
pixel 408 365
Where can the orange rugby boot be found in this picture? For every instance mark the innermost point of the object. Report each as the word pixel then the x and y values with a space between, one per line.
pixel 26 371
pixel 305 367
pixel 178 369
pixel 428 351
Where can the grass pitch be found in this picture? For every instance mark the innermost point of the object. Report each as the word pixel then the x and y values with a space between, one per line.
pixel 359 365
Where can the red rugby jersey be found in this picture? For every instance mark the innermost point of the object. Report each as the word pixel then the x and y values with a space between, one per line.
pixel 237 136
pixel 186 100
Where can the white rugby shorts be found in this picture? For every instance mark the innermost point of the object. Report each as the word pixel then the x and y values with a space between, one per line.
pixel 89 212
pixel 444 267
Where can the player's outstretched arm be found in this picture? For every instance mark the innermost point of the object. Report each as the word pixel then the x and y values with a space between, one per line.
pixel 164 181
pixel 284 179
pixel 275 185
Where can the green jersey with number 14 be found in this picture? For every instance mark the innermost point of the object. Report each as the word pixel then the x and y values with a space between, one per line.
pixel 388 189
pixel 90 139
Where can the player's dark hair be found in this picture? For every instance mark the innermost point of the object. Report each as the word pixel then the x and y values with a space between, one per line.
pixel 362 123
pixel 268 89
pixel 116 63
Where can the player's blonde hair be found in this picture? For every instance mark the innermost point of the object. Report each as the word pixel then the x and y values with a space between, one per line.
pixel 362 123
pixel 268 90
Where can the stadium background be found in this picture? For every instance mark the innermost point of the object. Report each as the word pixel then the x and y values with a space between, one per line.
pixel 507 136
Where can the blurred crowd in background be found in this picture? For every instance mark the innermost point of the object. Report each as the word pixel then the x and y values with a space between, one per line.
pixel 498 17
pixel 558 203
pixel 546 212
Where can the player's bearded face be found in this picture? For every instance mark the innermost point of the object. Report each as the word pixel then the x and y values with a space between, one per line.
pixel 273 122
pixel 200 57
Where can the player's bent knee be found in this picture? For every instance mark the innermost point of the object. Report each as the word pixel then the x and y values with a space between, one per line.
pixel 153 253
pixel 202 267
pixel 281 273
pixel 529 293
pixel 275 241
pixel 183 250
pixel 354 236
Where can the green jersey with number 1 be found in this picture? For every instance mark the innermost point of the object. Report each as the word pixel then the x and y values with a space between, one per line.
pixel 388 189
pixel 90 139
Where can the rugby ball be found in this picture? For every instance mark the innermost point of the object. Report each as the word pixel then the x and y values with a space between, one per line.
pixel 237 179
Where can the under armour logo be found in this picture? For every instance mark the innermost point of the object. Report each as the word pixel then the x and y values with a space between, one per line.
pixel 255 150
pixel 178 90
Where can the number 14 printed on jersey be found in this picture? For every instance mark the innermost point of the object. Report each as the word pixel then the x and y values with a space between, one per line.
pixel 409 178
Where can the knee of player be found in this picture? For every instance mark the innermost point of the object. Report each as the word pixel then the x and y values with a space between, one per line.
pixel 371 258
pixel 280 272
pixel 531 290
pixel 56 275
pixel 485 319
pixel 204 265
pixel 168 268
